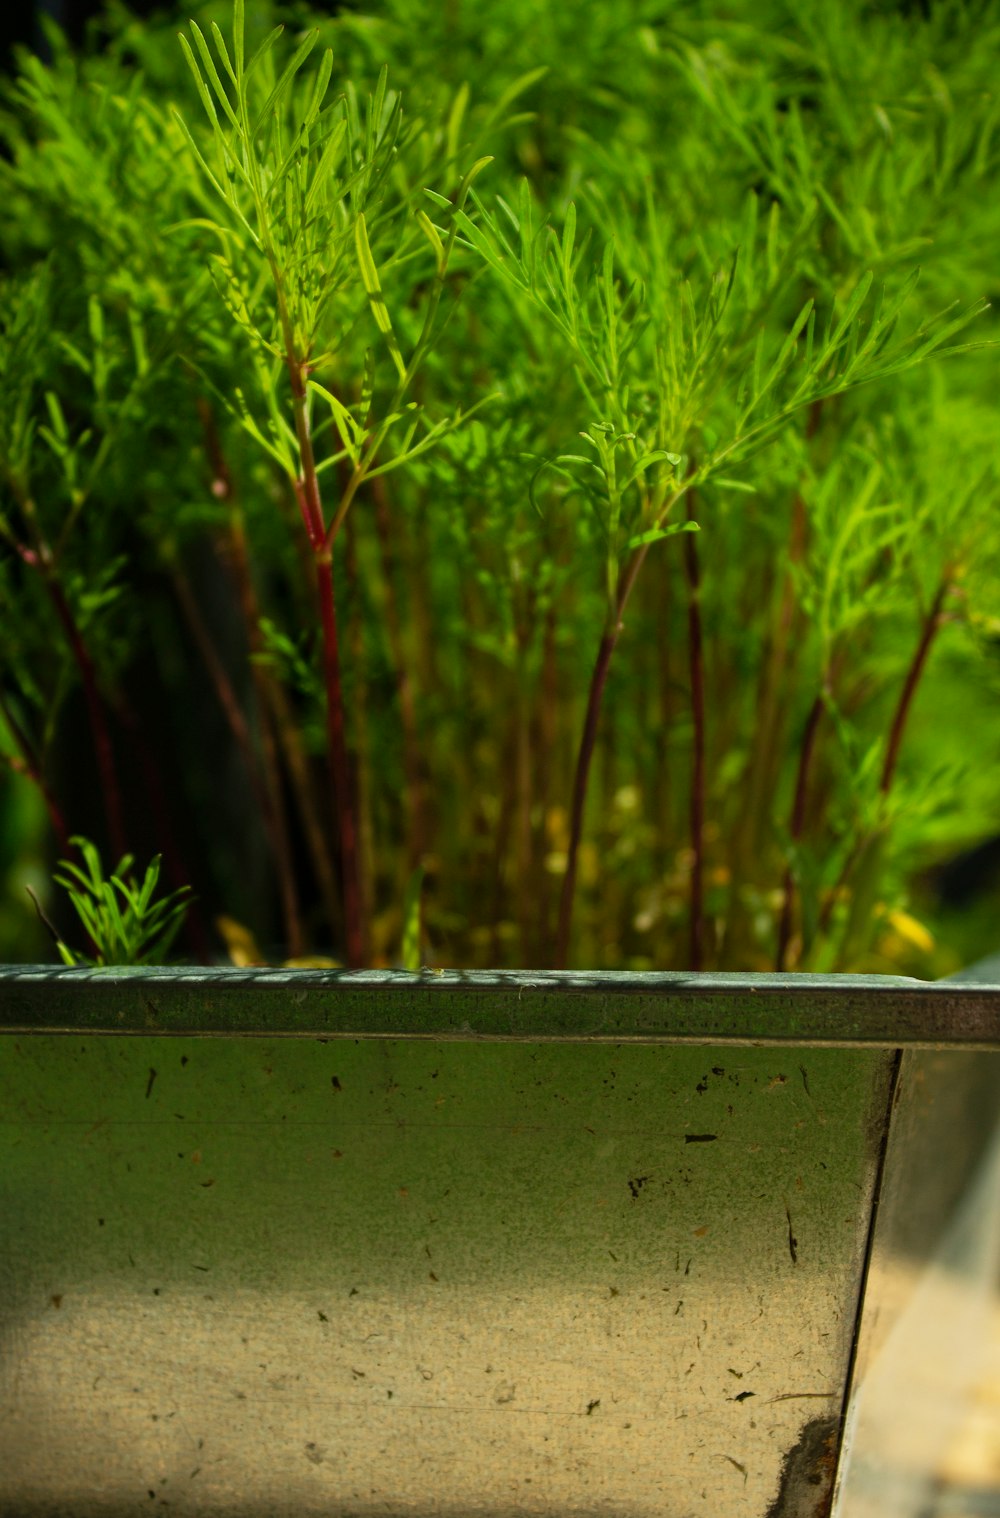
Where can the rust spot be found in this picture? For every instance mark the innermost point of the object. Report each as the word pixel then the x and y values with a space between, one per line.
pixel 806 1489
pixel 56 1299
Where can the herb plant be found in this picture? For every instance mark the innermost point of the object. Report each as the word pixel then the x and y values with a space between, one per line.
pixel 123 922
pixel 508 484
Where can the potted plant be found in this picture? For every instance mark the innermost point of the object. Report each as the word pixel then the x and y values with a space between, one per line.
pixel 353 390
pixel 276 457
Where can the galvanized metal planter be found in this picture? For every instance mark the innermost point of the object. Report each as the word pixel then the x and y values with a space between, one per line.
pixel 556 1245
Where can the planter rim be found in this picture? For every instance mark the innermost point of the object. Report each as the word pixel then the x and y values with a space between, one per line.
pixel 880 1011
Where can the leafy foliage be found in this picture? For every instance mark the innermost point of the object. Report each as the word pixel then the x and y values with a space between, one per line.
pixel 365 385
pixel 123 922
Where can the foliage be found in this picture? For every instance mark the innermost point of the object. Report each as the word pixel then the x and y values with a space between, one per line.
pixel 509 483
pixel 123 922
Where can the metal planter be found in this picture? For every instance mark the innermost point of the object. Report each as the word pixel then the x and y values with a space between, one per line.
pixel 552 1246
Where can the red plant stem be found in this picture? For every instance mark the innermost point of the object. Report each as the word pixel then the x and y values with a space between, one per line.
pixel 29 764
pixel 339 771
pixel 585 752
pixel 806 751
pixel 598 680
pixel 40 559
pixel 545 745
pixel 222 480
pixel 777 666
pixel 307 493
pixel 272 705
pixel 696 665
pixel 100 735
pixel 358 749
pixel 273 819
pixel 222 685
pixel 932 623
pixel 273 708
pixel 522 823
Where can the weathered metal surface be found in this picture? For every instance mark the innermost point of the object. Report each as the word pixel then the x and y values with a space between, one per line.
pixel 288 1277
pixel 841 1010
pixel 930 1292
pixel 472 1244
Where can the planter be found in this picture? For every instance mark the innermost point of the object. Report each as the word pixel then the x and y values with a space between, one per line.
pixel 302 1243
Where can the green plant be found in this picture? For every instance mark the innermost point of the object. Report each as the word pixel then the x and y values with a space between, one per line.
pixel 355 384
pixel 123 922
pixel 301 179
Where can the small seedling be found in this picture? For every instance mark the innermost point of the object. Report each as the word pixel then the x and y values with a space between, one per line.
pixel 124 920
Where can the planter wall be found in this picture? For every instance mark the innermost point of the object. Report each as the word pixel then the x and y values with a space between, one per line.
pixel 302 1243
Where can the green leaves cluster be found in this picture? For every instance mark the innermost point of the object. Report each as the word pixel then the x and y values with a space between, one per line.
pixel 314 193
pixel 486 304
pixel 124 920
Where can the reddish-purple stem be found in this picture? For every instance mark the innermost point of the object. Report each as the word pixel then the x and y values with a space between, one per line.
pixel 307 493
pixel 932 622
pixel 585 755
pixel 30 765
pixel 585 752
pixel 267 788
pixel 339 768
pixel 806 751
pixel 110 789
pixel 696 665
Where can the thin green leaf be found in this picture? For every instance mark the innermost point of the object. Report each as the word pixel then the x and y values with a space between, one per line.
pixel 370 280
pixel 208 63
pixel 430 231
pixel 291 68
pixel 654 534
